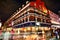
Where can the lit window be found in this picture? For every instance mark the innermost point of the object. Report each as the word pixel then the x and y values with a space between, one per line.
pixel 31 18
pixel 39 19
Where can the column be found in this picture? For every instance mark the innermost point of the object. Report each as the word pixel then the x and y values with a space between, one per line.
pixel 28 16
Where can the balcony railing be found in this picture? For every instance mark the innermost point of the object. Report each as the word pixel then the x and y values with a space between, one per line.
pixel 32 23
pixel 28 15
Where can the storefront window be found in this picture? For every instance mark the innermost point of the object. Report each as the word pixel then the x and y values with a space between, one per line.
pixel 37 29
pixel 33 29
pixel 29 29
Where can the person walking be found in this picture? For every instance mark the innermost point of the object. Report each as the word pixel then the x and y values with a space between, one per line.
pixel 6 35
pixel 1 36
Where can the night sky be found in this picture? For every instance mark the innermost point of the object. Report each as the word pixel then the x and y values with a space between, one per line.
pixel 8 7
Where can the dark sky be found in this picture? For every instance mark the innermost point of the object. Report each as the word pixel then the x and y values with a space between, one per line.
pixel 8 7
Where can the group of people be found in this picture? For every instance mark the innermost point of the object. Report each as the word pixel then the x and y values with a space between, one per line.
pixel 5 35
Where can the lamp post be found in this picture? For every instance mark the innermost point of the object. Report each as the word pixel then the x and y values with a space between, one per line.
pixel 0 24
pixel 37 23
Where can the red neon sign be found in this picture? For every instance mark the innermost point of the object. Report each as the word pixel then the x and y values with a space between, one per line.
pixel 39 5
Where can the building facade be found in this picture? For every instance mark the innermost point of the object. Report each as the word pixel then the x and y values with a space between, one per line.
pixel 34 20
pixel 31 13
pixel 32 16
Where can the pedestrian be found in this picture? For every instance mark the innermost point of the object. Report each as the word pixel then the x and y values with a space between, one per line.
pixel 6 35
pixel 1 36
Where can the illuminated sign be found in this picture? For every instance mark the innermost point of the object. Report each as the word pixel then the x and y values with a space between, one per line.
pixel 54 17
pixel 39 5
pixel 55 26
pixel 0 24
pixel 37 23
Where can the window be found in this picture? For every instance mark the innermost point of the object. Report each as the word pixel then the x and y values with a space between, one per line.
pixel 43 20
pixel 48 21
pixel 20 21
pixel 39 19
pixel 31 18
pixel 26 19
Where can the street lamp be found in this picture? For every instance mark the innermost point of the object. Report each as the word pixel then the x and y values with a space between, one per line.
pixel 0 24
pixel 12 23
pixel 38 23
